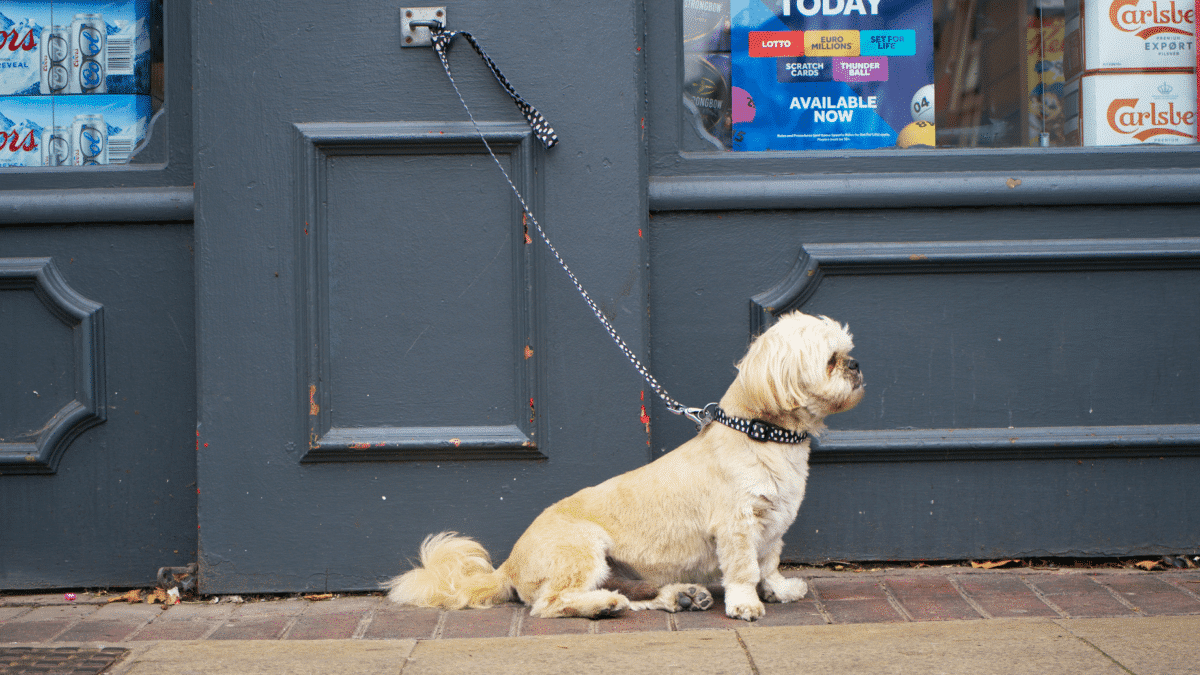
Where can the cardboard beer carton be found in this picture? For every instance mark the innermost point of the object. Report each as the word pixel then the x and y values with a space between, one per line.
pixel 74 47
pixel 71 130
pixel 1131 108
pixel 1129 35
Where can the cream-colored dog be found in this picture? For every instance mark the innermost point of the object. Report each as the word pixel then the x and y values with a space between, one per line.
pixel 649 538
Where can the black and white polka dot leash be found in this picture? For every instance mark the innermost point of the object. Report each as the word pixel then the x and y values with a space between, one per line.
pixel 545 133
pixel 441 43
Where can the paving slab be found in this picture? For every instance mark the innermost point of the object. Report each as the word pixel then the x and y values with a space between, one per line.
pixel 1145 646
pixel 234 657
pixel 394 622
pixel 7 613
pixel 332 620
pixel 531 625
pixel 45 599
pixel 855 600
pixel 43 623
pixel 999 646
pixel 931 599
pixel 480 623
pixel 260 620
pixel 656 653
pixel 1004 596
pixel 1151 595
pixel 1079 595
pixel 188 621
pixel 111 623
pixel 635 622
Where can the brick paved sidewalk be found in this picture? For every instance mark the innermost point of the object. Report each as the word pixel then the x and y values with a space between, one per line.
pixel 933 594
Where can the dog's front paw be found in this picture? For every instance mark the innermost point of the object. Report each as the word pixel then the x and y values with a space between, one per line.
pixel 742 603
pixel 694 598
pixel 783 589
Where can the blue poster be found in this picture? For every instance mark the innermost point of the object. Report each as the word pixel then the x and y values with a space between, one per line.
pixel 831 74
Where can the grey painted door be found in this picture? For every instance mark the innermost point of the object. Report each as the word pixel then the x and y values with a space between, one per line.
pixel 384 348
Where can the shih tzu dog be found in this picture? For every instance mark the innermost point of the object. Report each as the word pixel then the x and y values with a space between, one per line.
pixel 713 511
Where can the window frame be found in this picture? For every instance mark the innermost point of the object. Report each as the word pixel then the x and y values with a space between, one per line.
pixel 881 178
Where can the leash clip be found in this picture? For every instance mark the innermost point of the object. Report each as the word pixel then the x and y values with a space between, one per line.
pixel 701 416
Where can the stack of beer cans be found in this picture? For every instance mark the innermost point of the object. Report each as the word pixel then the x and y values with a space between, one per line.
pixel 74 81
pixel 1131 72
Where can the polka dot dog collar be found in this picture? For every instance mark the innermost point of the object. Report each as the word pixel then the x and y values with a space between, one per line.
pixel 758 429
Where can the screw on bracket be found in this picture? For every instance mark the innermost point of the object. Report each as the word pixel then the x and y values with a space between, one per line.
pixel 416 22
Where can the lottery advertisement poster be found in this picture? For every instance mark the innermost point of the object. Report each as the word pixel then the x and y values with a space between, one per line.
pixel 831 74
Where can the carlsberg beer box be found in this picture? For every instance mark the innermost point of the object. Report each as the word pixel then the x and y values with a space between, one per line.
pixel 829 74
pixel 71 130
pixel 1129 34
pixel 1131 108
pixel 74 47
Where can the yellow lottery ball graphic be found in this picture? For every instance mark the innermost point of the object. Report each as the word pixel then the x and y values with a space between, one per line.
pixel 917 133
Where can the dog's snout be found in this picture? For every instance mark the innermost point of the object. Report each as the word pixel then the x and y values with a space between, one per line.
pixel 852 365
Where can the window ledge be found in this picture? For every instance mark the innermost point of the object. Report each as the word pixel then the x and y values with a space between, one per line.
pixel 99 205
pixel 924 190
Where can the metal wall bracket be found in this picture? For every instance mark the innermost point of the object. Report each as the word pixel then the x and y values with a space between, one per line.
pixel 418 35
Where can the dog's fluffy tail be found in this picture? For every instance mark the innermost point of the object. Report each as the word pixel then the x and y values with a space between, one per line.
pixel 455 572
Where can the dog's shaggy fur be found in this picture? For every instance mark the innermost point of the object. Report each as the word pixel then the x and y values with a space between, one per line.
pixel 712 511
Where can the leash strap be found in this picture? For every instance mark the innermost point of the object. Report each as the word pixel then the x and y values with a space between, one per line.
pixel 545 133
pixel 541 128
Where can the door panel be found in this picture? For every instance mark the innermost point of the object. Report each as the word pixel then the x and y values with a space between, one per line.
pixel 383 352
pixel 97 397
pixel 420 304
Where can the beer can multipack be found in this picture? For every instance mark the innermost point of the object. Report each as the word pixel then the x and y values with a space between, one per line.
pixel 77 47
pixel 71 130
pixel 1131 108
pixel 1129 35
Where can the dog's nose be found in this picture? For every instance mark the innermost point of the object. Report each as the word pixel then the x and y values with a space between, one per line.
pixel 852 365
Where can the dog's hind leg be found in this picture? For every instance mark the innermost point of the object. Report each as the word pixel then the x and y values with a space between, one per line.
pixel 597 604
pixel 677 598
pixel 559 567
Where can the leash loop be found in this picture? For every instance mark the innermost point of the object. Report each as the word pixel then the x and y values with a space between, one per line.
pixel 545 133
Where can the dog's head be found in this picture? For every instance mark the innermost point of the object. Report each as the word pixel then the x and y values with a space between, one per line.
pixel 796 373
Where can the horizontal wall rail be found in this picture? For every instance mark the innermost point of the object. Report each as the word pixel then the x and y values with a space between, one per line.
pixel 923 190
pixel 99 205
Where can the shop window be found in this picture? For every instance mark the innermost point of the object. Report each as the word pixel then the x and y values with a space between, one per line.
pixel 867 74
pixel 80 81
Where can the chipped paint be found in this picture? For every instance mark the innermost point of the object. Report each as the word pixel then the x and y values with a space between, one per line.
pixel 528 352
pixel 455 442
pixel 645 417
pixel 918 256
pixel 313 408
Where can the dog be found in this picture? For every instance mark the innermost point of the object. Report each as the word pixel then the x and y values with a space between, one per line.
pixel 712 511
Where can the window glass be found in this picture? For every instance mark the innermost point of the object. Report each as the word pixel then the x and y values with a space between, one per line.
pixel 80 80
pixel 864 74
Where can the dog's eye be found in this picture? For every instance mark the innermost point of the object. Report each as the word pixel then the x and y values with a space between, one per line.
pixel 833 361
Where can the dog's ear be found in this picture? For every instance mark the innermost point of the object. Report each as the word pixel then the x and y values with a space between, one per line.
pixel 772 375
